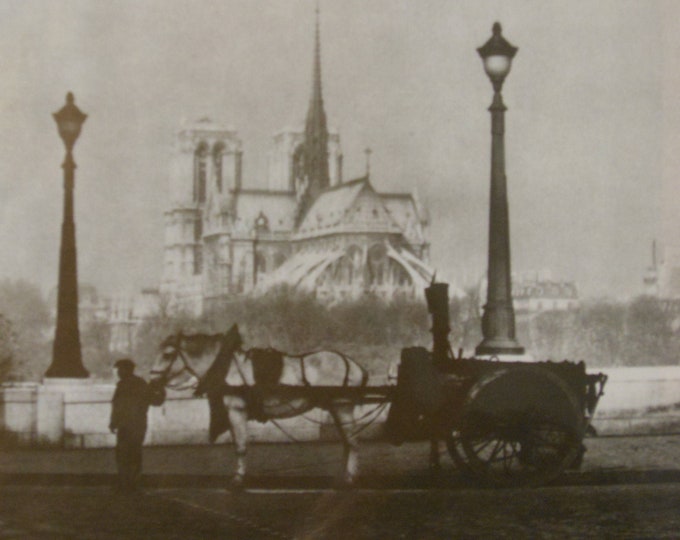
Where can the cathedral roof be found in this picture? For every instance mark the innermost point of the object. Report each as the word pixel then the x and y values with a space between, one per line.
pixel 277 206
pixel 349 207
pixel 405 212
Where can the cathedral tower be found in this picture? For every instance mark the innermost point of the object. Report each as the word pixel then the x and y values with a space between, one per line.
pixel 205 176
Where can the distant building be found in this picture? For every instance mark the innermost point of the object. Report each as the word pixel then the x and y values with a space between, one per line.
pixel 662 278
pixel 92 307
pixel 125 316
pixel 533 295
pixel 309 229
pixel 538 292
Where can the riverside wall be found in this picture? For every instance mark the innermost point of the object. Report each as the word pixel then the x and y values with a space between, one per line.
pixel 75 413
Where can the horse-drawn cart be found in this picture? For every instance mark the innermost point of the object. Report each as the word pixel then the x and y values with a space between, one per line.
pixel 505 423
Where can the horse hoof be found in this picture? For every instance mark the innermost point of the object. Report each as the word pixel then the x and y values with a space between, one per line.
pixel 345 483
pixel 236 484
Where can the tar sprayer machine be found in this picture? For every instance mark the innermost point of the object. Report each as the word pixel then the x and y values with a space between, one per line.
pixel 506 423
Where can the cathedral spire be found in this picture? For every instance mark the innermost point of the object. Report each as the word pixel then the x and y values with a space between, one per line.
pixel 316 131
pixel 317 98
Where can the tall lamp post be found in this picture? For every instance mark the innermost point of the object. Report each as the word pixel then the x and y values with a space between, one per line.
pixel 498 321
pixel 67 359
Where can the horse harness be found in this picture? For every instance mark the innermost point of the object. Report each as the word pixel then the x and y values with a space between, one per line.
pixel 163 374
pixel 267 367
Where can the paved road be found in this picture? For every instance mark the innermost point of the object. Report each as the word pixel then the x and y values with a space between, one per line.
pixel 640 511
pixel 629 488
pixel 604 454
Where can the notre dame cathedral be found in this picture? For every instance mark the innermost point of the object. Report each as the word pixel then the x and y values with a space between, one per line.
pixel 310 229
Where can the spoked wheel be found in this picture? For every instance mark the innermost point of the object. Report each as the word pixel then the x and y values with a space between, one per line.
pixel 520 427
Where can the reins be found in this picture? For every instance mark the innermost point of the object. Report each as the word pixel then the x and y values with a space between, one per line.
pixel 186 367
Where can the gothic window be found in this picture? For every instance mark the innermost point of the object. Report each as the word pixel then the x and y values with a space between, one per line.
pixel 343 271
pixel 261 223
pixel 348 269
pixel 198 229
pixel 200 172
pixel 260 263
pixel 241 277
pixel 198 259
pixel 198 248
pixel 377 264
pixel 218 152
pixel 279 259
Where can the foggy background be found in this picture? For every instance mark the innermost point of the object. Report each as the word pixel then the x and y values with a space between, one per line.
pixel 591 130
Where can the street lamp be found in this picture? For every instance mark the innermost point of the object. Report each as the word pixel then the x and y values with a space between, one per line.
pixel 498 321
pixel 67 359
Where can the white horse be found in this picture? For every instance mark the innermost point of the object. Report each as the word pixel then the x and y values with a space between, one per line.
pixel 262 384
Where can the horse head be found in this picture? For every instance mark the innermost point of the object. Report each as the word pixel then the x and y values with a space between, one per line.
pixel 172 367
pixel 198 361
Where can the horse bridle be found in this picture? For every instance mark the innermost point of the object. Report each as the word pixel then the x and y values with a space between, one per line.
pixel 163 374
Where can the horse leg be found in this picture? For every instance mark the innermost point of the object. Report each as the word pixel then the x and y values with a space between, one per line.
pixel 343 417
pixel 238 419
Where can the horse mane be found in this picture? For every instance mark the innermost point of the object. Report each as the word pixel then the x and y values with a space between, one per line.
pixel 213 379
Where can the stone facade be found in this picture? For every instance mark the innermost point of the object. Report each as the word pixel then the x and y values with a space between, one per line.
pixel 224 239
pixel 308 229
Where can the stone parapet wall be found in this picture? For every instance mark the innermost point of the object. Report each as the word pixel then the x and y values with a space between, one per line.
pixel 75 413
pixel 638 388
pixel 639 400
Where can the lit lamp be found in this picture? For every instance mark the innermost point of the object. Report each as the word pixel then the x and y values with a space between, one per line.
pixel 498 320
pixel 67 359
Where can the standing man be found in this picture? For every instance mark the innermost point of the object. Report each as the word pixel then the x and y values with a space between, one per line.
pixel 128 421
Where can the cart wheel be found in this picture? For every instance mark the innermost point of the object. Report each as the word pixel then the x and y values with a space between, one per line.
pixel 455 447
pixel 520 426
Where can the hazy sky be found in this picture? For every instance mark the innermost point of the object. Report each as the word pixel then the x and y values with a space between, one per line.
pixel 591 131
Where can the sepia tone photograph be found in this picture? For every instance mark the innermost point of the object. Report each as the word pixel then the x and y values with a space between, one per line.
pixel 323 269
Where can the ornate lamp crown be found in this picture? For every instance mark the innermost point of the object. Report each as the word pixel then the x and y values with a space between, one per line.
pixel 497 55
pixel 69 120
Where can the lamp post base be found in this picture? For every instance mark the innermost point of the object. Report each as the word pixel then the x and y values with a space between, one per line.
pixel 497 346
pixel 70 373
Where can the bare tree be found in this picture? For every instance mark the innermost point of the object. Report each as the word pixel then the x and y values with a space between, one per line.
pixel 24 306
pixel 7 347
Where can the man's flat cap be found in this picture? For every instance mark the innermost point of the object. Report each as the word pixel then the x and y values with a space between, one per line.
pixel 125 363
